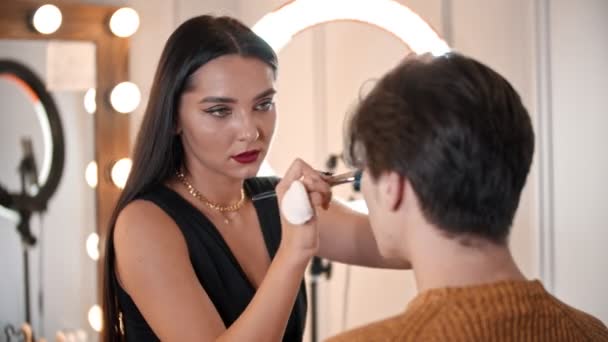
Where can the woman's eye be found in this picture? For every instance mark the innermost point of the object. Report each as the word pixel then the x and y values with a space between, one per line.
pixel 265 106
pixel 219 112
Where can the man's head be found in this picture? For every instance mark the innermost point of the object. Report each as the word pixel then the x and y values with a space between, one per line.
pixel 456 134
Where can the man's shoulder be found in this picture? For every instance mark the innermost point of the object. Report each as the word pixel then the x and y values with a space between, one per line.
pixel 586 323
pixel 385 330
pixel 408 326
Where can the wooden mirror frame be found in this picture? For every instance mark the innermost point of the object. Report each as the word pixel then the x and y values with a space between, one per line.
pixel 85 22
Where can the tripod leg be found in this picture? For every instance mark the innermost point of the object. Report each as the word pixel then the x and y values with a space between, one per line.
pixel 26 280
pixel 313 308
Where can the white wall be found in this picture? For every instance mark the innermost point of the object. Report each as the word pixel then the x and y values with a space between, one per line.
pixel 58 263
pixel 579 108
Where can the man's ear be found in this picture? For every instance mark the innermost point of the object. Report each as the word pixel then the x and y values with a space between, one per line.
pixel 391 185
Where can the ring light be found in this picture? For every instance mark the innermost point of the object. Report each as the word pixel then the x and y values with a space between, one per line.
pixel 52 136
pixel 277 28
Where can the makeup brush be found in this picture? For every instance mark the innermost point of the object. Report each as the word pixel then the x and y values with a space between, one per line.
pixel 333 180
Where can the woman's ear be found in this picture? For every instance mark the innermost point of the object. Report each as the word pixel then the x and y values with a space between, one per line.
pixel 392 186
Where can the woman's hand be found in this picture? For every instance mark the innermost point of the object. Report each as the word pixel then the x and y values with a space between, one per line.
pixel 302 241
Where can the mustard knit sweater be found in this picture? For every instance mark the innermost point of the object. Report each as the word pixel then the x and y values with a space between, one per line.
pixel 505 311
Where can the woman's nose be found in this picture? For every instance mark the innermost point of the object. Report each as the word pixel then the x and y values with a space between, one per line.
pixel 250 135
pixel 248 129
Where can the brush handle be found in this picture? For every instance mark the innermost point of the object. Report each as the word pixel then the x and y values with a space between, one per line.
pixel 343 178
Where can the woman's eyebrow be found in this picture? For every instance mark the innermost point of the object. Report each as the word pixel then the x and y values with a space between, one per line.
pixel 265 93
pixel 222 99
pixel 218 99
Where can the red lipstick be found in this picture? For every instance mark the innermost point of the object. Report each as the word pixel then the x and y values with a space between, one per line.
pixel 247 157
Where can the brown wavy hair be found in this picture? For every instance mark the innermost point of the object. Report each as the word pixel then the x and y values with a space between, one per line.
pixel 459 133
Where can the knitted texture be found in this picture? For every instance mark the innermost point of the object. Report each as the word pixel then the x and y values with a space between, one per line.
pixel 504 311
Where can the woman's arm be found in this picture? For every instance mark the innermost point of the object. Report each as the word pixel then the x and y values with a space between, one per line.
pixel 153 266
pixel 345 235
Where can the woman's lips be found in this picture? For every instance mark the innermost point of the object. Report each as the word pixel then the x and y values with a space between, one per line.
pixel 247 157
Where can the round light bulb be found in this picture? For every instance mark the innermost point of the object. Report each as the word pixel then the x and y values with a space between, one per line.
pixel 95 318
pixel 125 97
pixel 124 22
pixel 120 172
pixel 90 174
pixel 89 101
pixel 92 246
pixel 47 19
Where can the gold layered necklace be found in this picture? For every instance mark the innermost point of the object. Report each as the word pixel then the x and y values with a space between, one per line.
pixel 215 206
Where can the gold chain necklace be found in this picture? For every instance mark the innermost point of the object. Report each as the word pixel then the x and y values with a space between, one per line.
pixel 215 206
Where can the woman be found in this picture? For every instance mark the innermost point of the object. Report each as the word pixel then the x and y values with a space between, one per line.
pixel 190 256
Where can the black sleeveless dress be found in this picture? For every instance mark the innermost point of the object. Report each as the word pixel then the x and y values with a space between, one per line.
pixel 216 267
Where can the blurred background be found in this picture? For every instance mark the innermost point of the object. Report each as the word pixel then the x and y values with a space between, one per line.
pixel 554 53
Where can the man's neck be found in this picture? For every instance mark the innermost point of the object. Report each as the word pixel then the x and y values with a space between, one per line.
pixel 439 261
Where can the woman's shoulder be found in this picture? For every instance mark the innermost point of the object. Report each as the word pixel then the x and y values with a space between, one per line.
pixel 149 249
pixel 143 219
pixel 140 209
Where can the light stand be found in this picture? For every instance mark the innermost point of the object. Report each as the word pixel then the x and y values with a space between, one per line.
pixel 25 205
pixel 28 176
pixel 22 203
pixel 318 268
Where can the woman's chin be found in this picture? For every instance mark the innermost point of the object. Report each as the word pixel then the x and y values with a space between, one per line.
pixel 248 171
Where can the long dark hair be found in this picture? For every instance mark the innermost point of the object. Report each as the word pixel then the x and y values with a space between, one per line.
pixel 158 150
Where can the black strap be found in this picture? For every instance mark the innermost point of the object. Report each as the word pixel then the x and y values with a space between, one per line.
pixel 267 209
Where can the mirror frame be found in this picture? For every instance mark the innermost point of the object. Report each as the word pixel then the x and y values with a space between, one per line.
pixel 86 22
